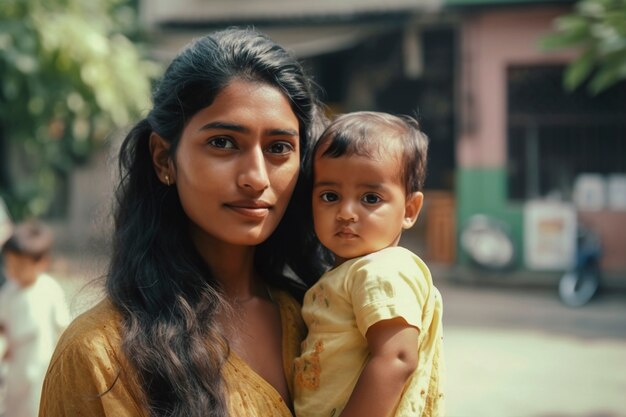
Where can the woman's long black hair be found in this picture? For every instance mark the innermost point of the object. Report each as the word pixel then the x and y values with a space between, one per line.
pixel 166 293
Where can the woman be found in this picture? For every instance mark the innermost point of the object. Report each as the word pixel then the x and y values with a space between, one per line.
pixel 198 320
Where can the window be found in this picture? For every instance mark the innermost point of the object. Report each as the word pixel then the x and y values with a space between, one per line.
pixel 553 135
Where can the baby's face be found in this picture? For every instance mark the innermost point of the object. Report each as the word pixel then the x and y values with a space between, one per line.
pixel 359 203
pixel 21 269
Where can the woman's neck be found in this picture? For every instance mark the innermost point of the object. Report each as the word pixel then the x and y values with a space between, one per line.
pixel 233 266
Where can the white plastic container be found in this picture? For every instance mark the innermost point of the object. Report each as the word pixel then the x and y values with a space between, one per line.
pixel 590 192
pixel 549 235
pixel 616 191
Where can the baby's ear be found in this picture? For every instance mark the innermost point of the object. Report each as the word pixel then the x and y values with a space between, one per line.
pixel 412 209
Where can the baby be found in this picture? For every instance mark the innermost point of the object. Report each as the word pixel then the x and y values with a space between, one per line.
pixel 374 346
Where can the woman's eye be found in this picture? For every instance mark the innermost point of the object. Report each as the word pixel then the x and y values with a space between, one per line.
pixel 280 148
pixel 222 143
pixel 371 199
pixel 329 197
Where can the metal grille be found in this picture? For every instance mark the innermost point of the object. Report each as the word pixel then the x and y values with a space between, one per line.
pixel 553 136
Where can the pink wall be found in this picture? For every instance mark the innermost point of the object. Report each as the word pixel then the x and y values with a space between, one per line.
pixel 491 41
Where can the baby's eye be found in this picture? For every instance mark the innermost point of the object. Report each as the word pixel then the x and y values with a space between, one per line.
pixel 280 148
pixel 222 143
pixel 371 199
pixel 329 197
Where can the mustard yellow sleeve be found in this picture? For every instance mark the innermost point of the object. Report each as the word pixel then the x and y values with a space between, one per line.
pixel 85 377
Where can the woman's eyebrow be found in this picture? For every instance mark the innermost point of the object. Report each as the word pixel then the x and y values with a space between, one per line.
pixel 242 129
pixel 224 126
pixel 283 132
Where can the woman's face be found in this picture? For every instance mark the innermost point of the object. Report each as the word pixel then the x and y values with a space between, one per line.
pixel 237 164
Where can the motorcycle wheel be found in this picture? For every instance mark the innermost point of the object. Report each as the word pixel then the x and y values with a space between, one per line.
pixel 577 287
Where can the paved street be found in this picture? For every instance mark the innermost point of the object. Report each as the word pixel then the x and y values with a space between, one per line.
pixel 520 352
pixel 512 351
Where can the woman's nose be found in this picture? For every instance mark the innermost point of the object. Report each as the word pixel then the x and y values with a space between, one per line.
pixel 253 171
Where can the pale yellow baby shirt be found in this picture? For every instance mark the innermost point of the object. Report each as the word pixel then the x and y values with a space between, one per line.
pixel 340 308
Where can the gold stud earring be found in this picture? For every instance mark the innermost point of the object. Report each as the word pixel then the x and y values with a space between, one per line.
pixel 167 180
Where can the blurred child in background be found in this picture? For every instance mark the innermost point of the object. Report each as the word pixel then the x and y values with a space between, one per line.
pixel 33 313
pixel 6 230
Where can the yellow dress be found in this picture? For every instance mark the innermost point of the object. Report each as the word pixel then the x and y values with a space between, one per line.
pixel 89 374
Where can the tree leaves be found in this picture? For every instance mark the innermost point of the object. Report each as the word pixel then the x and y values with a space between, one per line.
pixel 579 70
pixel 597 28
pixel 69 74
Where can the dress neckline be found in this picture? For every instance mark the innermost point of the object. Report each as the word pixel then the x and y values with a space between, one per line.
pixel 238 362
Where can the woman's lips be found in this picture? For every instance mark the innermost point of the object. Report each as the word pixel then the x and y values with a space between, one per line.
pixel 252 209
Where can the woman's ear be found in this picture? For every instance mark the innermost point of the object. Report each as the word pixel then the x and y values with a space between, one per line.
pixel 161 160
pixel 412 209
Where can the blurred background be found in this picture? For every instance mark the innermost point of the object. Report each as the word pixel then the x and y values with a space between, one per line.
pixel 524 102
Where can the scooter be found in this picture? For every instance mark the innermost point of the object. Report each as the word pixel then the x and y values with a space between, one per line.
pixel 488 243
pixel 580 283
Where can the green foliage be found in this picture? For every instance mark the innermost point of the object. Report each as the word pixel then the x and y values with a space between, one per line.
pixel 598 29
pixel 69 74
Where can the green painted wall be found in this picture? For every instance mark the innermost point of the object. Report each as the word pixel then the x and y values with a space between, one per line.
pixel 484 191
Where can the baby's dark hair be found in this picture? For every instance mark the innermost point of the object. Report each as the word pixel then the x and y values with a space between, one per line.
pixel 367 133
pixel 31 238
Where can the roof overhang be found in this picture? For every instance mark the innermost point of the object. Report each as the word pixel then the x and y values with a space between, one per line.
pixel 305 27
pixel 159 12
pixel 303 42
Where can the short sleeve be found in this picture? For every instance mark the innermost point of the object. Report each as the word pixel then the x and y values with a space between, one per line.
pixel 388 287
pixel 86 379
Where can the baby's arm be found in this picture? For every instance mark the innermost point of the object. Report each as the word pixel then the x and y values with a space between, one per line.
pixel 4 345
pixel 393 358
